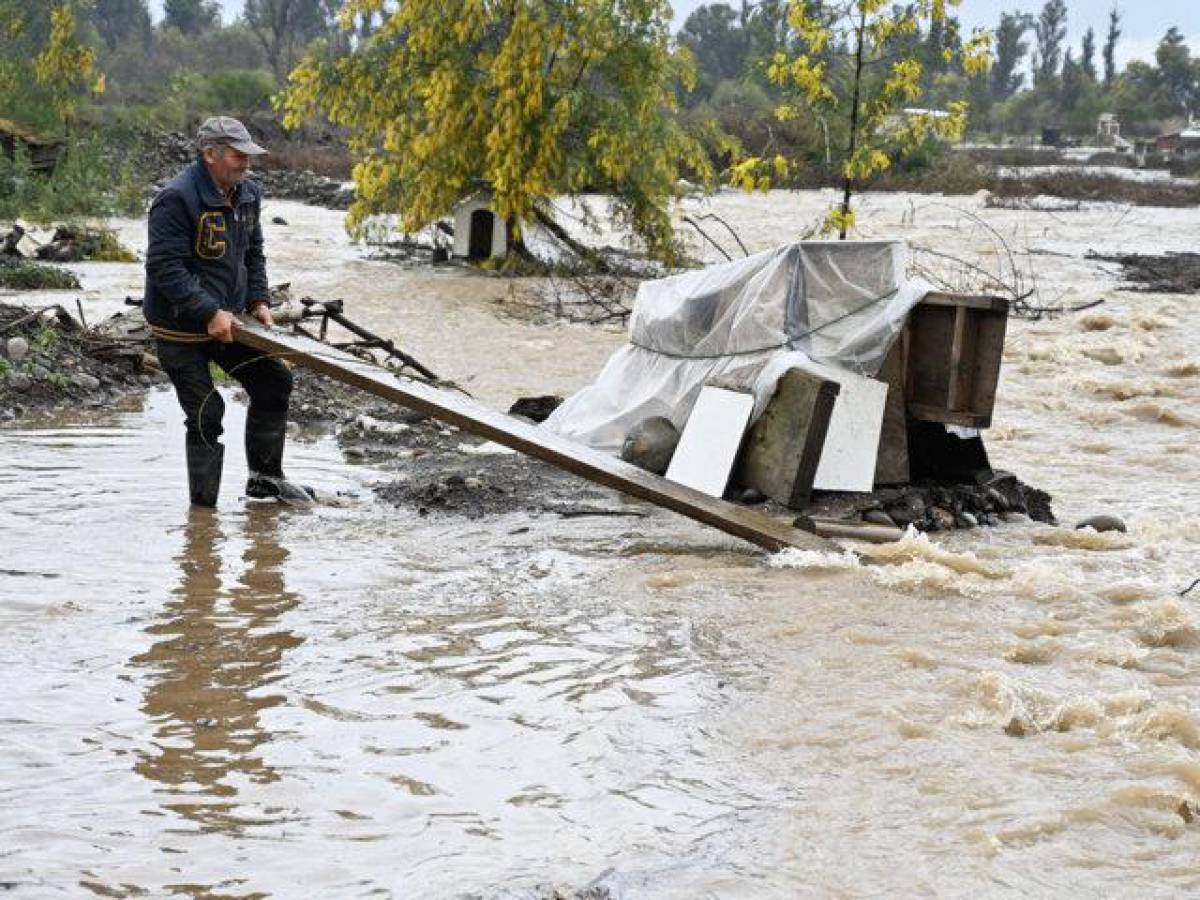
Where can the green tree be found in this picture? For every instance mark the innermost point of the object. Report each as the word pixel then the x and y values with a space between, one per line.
pixel 862 81
pixel 767 32
pixel 1177 72
pixel 283 27
pixel 1010 50
pixel 717 41
pixel 1072 83
pixel 191 16
pixel 1050 30
pixel 1087 55
pixel 532 99
pixel 121 21
pixel 1110 47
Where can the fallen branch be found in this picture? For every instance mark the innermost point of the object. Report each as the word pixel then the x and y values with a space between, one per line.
pixel 704 234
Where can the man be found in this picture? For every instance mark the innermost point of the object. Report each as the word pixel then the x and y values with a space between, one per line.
pixel 205 264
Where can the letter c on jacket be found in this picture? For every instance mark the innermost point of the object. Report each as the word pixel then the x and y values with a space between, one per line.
pixel 210 234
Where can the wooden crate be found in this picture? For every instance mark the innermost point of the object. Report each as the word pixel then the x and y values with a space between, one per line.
pixel 953 345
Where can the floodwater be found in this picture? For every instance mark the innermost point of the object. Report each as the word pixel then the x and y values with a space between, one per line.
pixel 355 701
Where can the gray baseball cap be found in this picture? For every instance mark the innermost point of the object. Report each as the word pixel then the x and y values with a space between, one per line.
pixel 228 131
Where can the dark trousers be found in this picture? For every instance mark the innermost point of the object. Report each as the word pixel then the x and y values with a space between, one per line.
pixel 267 381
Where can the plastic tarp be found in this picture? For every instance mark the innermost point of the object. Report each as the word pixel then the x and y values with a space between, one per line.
pixel 742 324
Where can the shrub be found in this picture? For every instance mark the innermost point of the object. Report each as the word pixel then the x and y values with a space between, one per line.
pixel 87 182
pixel 28 276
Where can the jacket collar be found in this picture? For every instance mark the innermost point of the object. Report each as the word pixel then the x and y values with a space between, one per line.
pixel 208 188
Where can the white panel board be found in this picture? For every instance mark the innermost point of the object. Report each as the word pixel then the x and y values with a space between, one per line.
pixel 710 440
pixel 852 442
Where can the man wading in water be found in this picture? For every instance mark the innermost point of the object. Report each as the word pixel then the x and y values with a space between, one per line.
pixel 204 264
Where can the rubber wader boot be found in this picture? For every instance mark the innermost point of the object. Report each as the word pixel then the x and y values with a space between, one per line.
pixel 265 434
pixel 204 463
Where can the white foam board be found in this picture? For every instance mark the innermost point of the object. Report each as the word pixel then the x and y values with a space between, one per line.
pixel 852 442
pixel 710 440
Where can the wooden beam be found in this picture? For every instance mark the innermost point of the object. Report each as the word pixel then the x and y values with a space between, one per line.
pixel 751 525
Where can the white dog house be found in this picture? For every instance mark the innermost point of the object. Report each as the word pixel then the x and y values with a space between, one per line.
pixel 478 232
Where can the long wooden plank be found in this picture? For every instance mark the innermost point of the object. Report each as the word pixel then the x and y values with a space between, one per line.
pixel 749 524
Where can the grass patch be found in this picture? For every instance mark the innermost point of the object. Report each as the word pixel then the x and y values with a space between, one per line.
pixel 30 276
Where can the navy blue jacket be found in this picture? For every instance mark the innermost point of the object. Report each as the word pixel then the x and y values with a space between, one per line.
pixel 205 251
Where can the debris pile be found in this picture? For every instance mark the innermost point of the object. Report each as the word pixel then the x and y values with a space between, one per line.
pixel 935 507
pixel 64 243
pixel 442 471
pixel 48 359
pixel 1172 273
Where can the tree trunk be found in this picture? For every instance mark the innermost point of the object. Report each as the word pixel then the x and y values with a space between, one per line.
pixel 584 252
pixel 847 186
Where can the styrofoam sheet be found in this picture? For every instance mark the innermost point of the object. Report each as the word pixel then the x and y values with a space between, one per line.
pixel 709 444
pixel 852 441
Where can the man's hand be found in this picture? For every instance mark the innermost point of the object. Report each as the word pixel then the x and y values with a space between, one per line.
pixel 220 326
pixel 262 312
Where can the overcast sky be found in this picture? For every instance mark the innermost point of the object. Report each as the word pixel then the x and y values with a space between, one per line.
pixel 1144 22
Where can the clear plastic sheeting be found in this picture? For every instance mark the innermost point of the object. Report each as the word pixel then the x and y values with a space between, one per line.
pixel 741 325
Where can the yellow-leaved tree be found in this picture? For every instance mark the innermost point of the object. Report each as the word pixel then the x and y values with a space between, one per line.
pixel 531 99
pixel 857 67
pixel 12 28
pixel 66 66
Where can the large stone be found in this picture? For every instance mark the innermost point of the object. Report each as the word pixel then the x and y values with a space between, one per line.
pixel 1102 522
pixel 536 409
pixel 782 451
pixel 17 349
pixel 650 444
pixel 85 381
pixel 20 382
pixel 908 510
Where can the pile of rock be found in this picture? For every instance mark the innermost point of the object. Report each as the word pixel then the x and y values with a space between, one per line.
pixel 162 155
pixel 48 359
pixel 306 187
pixel 995 498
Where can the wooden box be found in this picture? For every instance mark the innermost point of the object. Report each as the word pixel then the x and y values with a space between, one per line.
pixel 953 345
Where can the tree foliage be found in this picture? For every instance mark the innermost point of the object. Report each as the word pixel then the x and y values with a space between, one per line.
pixel 1179 74
pixel 857 64
pixel 530 99
pixel 121 21
pixel 1110 46
pixel 66 66
pixel 191 16
pixel 284 27
pixel 1050 30
pixel 1010 51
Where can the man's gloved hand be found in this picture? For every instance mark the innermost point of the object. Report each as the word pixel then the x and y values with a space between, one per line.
pixel 220 326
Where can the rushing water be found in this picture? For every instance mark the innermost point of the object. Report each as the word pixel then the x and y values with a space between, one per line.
pixel 353 700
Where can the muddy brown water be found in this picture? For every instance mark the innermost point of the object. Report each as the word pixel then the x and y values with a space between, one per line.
pixel 358 701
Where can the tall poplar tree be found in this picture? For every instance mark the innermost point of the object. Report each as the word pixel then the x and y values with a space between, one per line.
pixel 531 99
pixel 1050 30
pixel 1010 49
pixel 1110 47
pixel 1087 56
